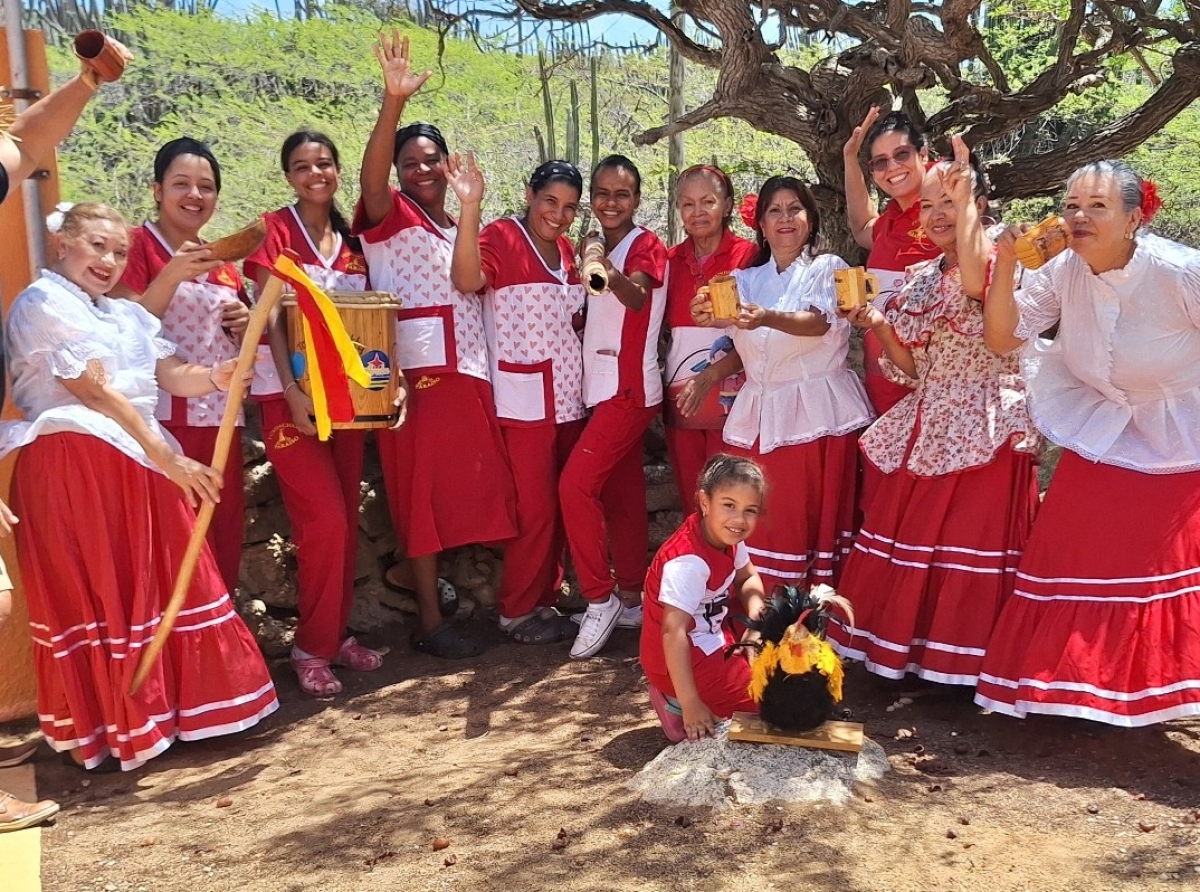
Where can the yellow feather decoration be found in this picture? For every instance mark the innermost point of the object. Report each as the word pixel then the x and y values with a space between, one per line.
pixel 798 653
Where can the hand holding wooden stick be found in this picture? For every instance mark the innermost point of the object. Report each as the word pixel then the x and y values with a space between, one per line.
pixel 191 556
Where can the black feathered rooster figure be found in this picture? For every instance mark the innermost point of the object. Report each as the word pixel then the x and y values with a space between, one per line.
pixel 796 677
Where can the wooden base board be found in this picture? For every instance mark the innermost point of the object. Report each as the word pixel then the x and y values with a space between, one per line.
pixel 846 737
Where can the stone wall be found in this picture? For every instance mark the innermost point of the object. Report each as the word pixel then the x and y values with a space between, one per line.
pixel 267 592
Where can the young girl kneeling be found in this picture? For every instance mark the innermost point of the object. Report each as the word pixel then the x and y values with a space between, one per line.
pixel 688 588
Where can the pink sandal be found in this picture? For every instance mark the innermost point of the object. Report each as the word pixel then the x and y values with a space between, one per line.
pixel 357 658
pixel 315 677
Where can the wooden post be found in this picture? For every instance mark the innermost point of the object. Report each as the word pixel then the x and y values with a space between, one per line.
pixel 675 156
pixel 245 362
pixel 18 685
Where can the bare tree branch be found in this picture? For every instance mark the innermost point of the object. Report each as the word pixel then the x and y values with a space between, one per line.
pixel 590 9
pixel 883 49
pixel 1044 174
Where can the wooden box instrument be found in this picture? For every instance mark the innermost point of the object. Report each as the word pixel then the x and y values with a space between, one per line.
pixel 855 287
pixel 1043 243
pixel 722 291
pixel 370 320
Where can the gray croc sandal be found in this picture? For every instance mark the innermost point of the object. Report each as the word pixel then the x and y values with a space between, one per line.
pixel 447 598
pixel 547 626
pixel 447 643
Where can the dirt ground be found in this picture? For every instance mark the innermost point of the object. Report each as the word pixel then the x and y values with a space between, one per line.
pixel 518 760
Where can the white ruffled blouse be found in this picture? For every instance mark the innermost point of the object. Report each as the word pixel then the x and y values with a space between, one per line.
pixel 1120 383
pixel 798 388
pixel 53 330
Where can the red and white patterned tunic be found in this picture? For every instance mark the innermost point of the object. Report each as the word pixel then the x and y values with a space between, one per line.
pixel 439 329
pixel 345 271
pixel 192 322
pixel 537 358
pixel 620 345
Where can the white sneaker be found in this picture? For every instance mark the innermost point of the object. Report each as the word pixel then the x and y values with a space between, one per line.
pixel 630 618
pixel 596 628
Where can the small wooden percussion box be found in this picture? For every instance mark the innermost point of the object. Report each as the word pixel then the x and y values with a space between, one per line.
pixel 370 320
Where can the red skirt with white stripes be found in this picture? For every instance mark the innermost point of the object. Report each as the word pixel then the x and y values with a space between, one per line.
pixel 806 526
pixel 933 565
pixel 100 542
pixel 1104 623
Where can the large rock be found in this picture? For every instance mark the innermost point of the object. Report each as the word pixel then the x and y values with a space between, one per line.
pixel 268 573
pixel 717 773
pixel 265 521
pixel 262 486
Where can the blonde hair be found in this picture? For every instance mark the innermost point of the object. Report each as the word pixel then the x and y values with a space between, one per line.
pixel 75 217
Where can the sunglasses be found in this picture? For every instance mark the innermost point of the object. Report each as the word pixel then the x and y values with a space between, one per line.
pixel 901 156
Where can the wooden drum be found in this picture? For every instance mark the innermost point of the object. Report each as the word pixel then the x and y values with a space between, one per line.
pixel 370 320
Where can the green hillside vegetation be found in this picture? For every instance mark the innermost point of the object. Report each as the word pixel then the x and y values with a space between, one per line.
pixel 244 85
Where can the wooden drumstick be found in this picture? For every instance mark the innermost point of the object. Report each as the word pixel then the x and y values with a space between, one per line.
pixel 245 361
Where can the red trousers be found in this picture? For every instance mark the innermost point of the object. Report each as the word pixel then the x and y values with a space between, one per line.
pixel 603 497
pixel 723 683
pixel 688 451
pixel 533 561
pixel 320 486
pixel 229 520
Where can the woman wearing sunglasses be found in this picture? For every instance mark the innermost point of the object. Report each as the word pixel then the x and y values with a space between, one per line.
pixel 893 149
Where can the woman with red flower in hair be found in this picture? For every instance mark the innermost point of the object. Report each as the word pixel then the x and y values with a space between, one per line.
pixel 1103 622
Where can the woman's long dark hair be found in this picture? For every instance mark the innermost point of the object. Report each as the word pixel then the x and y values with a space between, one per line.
pixel 293 142
pixel 767 194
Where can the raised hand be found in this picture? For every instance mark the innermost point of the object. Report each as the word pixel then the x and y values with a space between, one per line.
pixel 854 144
pixel 398 77
pixel 958 178
pixel 466 179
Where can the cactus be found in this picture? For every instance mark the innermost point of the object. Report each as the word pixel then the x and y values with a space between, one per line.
pixel 595 109
pixel 573 126
pixel 547 104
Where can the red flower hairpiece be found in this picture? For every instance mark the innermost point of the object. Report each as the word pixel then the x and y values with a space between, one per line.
pixel 748 209
pixel 1151 203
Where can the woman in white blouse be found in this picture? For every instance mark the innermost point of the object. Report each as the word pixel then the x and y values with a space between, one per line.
pixel 103 495
pixel 801 406
pixel 1104 621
